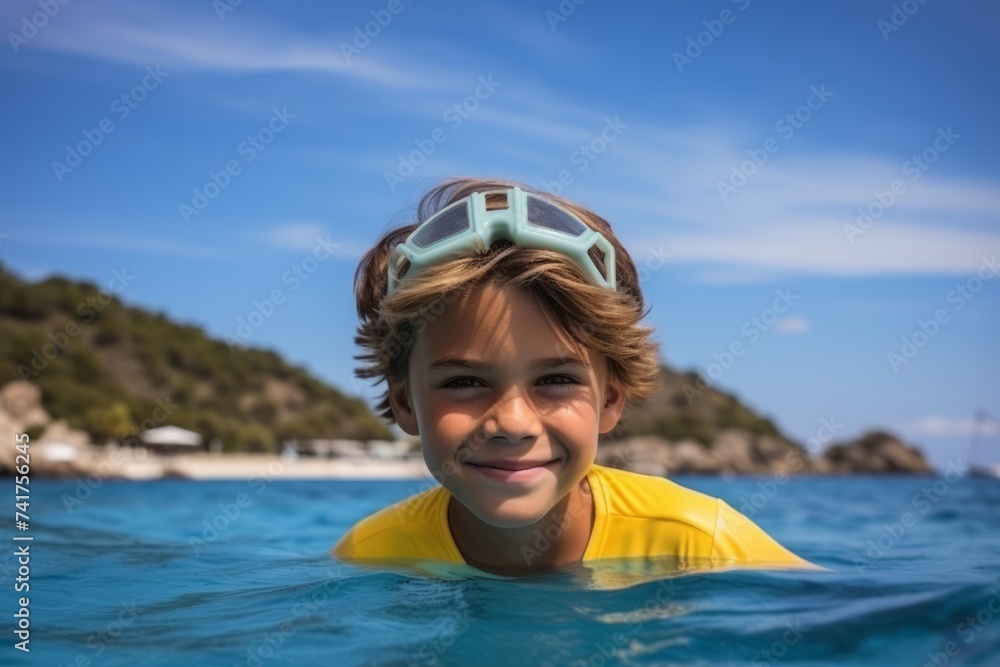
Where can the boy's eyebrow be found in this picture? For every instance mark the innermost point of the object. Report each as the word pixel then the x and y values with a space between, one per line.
pixel 472 364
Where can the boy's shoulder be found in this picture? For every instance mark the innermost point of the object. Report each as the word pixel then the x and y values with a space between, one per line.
pixel 406 529
pixel 652 516
pixel 639 496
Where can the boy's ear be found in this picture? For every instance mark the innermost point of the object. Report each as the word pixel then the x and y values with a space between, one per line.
pixel 611 411
pixel 402 409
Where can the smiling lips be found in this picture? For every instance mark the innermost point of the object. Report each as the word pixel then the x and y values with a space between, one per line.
pixel 511 471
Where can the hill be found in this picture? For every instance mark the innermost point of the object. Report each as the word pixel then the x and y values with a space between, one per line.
pixel 109 369
pixel 688 426
pixel 685 407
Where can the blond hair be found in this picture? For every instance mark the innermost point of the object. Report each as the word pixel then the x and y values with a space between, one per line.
pixel 600 319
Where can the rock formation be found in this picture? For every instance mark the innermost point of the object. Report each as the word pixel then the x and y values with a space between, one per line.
pixel 738 452
pixel 54 451
pixel 876 452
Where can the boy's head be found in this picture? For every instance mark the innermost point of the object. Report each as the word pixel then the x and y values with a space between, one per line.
pixel 605 321
pixel 505 309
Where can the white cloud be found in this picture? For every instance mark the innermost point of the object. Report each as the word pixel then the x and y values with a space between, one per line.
pixel 145 35
pixel 818 245
pixel 794 214
pixel 531 31
pixel 944 426
pixel 293 235
pixel 793 324
pixel 307 238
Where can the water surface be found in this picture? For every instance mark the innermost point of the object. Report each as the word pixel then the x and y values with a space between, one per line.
pixel 237 573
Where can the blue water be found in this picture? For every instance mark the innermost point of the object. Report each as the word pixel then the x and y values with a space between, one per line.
pixel 116 579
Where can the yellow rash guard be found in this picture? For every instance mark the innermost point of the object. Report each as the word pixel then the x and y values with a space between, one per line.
pixel 635 516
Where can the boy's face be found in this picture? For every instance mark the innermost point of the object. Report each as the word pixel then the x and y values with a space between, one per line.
pixel 504 401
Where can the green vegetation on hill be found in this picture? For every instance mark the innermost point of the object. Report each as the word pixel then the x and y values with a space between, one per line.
pixel 112 370
pixel 685 407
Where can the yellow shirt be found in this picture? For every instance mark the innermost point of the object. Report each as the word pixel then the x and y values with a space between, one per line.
pixel 635 515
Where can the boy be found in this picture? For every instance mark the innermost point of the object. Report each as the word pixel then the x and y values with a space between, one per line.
pixel 506 326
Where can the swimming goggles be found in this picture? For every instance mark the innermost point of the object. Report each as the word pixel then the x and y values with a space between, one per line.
pixel 471 225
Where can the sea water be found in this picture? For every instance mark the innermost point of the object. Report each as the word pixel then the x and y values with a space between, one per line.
pixel 238 573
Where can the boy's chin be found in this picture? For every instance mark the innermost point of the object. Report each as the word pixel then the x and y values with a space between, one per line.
pixel 519 513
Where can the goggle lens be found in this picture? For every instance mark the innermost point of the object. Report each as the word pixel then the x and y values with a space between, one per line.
pixel 543 214
pixel 448 222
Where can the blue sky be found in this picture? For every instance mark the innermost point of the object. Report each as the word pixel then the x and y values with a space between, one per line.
pixel 219 152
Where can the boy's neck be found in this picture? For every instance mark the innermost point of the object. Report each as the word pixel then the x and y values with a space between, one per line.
pixel 516 551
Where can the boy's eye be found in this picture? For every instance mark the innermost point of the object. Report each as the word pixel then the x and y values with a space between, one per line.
pixel 460 383
pixel 561 379
pixel 466 383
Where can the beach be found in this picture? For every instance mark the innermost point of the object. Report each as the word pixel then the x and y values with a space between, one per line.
pixel 140 465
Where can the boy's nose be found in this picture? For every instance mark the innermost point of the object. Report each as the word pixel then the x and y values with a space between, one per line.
pixel 512 418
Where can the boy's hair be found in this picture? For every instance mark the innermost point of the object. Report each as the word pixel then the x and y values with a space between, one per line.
pixel 600 319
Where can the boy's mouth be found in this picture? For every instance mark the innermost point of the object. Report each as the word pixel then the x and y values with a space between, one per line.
pixel 505 470
pixel 512 464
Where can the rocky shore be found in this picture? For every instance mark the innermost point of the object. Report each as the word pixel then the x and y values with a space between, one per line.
pixel 736 452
